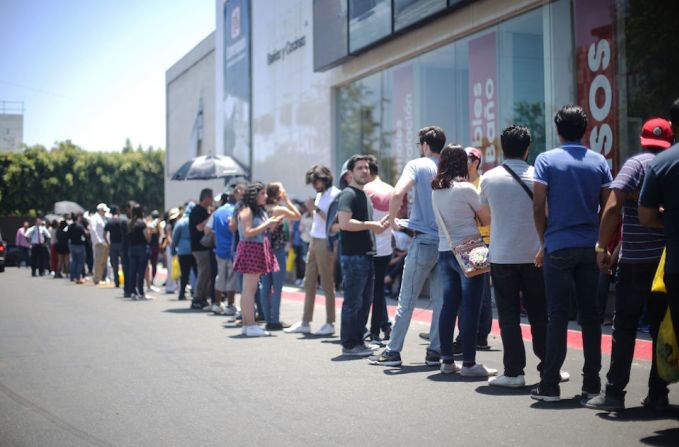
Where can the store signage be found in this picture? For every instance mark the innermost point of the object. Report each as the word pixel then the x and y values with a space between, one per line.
pixel 288 48
pixel 596 67
pixel 483 104
pixel 403 113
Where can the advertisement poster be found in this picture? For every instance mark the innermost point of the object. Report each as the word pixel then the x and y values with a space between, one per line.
pixel 237 80
pixel 403 114
pixel 595 58
pixel 483 103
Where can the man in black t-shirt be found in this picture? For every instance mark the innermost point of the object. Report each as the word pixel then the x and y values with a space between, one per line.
pixel 659 208
pixel 358 249
pixel 197 220
pixel 115 231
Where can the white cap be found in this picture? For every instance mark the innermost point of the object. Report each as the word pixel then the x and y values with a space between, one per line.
pixel 102 206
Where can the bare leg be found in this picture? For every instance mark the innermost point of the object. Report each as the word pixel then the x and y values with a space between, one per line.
pixel 247 298
pixel 231 297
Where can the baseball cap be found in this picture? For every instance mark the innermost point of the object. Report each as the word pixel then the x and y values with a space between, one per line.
pixel 102 206
pixel 656 132
pixel 472 151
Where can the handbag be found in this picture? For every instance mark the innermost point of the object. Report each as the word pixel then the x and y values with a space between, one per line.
pixel 208 240
pixel 471 254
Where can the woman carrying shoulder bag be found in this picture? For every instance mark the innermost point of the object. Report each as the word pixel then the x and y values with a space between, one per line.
pixel 457 206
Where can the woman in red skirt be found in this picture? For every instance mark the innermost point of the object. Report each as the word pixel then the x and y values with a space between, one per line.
pixel 254 256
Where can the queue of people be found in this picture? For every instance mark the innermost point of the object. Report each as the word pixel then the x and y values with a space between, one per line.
pixel 542 236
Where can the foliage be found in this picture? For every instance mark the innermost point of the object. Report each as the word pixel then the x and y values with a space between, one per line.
pixel 34 179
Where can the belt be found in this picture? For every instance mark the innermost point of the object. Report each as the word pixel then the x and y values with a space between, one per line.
pixel 412 233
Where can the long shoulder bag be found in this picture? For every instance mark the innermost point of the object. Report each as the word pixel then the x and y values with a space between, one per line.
pixel 518 179
pixel 471 254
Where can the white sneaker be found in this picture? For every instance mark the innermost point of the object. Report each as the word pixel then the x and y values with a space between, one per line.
pixel 449 368
pixel 564 376
pixel 508 382
pixel 230 310
pixel 217 309
pixel 298 328
pixel 255 331
pixel 326 329
pixel 477 370
pixel 208 307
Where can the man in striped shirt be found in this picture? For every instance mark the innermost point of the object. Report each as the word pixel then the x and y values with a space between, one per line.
pixel 639 256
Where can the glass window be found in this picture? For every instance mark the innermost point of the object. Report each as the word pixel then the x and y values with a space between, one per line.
pixel 330 32
pixel 369 21
pixel 407 12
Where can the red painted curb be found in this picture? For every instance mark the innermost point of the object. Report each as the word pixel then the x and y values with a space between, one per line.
pixel 643 349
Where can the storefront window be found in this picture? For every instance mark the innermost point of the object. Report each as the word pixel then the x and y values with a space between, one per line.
pixel 369 21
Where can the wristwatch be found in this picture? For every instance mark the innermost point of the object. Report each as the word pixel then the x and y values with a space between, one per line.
pixel 599 249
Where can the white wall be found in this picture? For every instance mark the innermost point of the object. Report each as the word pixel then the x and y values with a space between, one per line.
pixel 11 132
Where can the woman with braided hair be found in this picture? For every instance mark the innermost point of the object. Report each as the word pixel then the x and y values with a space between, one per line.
pixel 254 255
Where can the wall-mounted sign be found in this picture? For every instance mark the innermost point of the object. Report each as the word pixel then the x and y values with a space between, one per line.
pixel 288 48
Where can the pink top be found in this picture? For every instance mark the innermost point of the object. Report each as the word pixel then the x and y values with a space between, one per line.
pixel 20 239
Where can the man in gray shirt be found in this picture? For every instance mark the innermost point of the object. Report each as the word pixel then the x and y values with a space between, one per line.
pixel 515 264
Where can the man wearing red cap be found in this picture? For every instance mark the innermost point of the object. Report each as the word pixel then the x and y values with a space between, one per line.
pixel 638 260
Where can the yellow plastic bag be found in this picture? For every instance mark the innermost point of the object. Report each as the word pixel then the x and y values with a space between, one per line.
pixel 667 351
pixel 659 278
pixel 176 272
pixel 290 267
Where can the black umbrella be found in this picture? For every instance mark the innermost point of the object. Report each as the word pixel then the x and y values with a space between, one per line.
pixel 208 167
pixel 66 207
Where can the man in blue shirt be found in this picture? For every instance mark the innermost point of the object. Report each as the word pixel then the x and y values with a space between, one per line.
pixel 571 182
pixel 422 259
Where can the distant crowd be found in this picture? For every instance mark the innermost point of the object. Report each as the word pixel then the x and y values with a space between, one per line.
pixel 543 242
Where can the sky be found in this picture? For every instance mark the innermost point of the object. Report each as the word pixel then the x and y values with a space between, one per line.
pixel 94 71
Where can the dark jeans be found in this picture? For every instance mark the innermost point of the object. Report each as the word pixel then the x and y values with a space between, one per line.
pixel 562 269
pixel 379 319
pixel 115 255
pixel 186 264
pixel 38 258
pixel 24 253
pixel 300 263
pixel 632 292
pixel 461 300
pixel 77 261
pixel 512 282
pixel 359 279
pixel 138 259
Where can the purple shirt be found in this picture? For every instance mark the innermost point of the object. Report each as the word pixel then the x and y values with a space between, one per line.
pixel 20 239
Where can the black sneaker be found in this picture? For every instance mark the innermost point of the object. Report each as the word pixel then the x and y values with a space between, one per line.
pixel 457 348
pixel 656 403
pixel 387 332
pixel 482 344
pixel 274 326
pixel 424 335
pixel 387 358
pixel 544 394
pixel 606 402
pixel 197 305
pixel 375 340
pixel 182 297
pixel 432 358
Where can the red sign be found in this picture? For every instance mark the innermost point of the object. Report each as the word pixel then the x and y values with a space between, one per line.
pixel 483 104
pixel 595 57
pixel 403 112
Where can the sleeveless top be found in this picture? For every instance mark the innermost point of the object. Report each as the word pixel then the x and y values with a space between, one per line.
pixel 256 221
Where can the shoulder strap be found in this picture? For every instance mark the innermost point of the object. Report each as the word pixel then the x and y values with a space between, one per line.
pixel 441 224
pixel 518 179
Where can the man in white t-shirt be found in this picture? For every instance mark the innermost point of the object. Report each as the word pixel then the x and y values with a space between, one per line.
pixel 380 194
pixel 515 270
pixel 99 244
pixel 319 258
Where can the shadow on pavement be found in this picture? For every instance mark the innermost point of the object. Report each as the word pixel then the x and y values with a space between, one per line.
pixel 503 391
pixel 407 369
pixel 641 414
pixel 347 358
pixel 564 404
pixel 245 337
pixel 662 438
pixel 438 377
pixel 183 311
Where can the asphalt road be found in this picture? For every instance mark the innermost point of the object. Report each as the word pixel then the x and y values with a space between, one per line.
pixel 80 366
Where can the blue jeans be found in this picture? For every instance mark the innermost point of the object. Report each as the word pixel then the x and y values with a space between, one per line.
pixel 359 279
pixel 562 269
pixel 138 257
pixel 77 261
pixel 462 298
pixel 271 300
pixel 420 263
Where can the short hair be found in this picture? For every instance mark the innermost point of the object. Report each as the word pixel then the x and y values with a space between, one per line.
pixel 115 210
pixel 515 140
pixel 273 190
pixel 351 163
pixel 571 122
pixel 674 113
pixel 434 137
pixel 205 193
pixel 319 173
pixel 374 167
